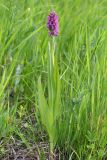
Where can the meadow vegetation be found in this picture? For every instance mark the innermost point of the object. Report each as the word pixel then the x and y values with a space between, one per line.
pixel 58 107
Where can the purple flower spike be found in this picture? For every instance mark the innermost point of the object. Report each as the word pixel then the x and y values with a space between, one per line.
pixel 52 24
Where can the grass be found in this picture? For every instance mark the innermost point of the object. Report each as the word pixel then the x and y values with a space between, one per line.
pixel 63 110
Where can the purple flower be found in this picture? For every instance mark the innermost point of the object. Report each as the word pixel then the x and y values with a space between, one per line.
pixel 52 24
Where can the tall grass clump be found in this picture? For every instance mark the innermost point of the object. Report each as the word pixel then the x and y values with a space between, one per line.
pixel 81 49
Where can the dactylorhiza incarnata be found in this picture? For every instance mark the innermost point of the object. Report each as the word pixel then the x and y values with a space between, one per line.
pixel 52 24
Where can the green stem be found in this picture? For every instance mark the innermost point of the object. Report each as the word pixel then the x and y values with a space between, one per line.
pixel 51 87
